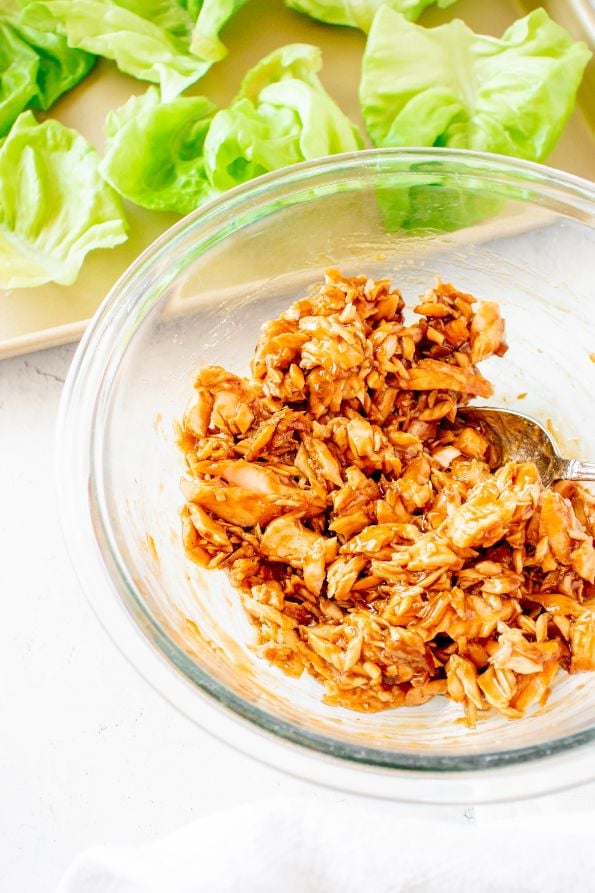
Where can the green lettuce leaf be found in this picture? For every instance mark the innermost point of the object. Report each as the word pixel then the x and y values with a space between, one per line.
pixel 54 205
pixel 282 115
pixel 18 76
pixel 212 17
pixel 149 39
pixel 154 152
pixel 60 67
pixel 360 13
pixel 35 67
pixel 447 86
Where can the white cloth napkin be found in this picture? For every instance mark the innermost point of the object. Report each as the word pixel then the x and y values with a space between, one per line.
pixel 302 846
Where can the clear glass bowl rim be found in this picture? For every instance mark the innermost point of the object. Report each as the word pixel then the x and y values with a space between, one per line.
pixel 98 564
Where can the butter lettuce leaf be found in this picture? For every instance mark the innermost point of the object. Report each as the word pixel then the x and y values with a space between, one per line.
pixel 54 205
pixel 282 115
pixel 360 13
pixel 36 67
pixel 154 151
pixel 448 86
pixel 175 155
pixel 18 76
pixel 212 17
pixel 60 67
pixel 149 39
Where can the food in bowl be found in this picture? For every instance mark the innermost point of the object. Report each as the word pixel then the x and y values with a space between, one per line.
pixel 373 540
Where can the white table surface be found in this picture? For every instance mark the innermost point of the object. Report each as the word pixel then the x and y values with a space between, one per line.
pixel 88 752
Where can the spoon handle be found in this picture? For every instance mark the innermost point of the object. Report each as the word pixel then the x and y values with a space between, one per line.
pixel 579 471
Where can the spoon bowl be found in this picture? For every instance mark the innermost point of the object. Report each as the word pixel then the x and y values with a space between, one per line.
pixel 519 438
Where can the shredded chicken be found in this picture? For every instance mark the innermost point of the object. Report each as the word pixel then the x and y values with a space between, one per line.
pixel 373 540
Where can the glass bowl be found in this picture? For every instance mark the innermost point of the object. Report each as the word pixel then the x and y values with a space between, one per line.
pixel 504 230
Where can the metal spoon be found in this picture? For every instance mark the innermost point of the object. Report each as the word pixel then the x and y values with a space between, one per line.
pixel 518 438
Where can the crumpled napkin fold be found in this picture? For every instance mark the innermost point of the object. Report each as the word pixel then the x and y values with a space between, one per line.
pixel 305 846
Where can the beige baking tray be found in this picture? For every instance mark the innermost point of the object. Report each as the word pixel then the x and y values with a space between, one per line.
pixel 35 318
